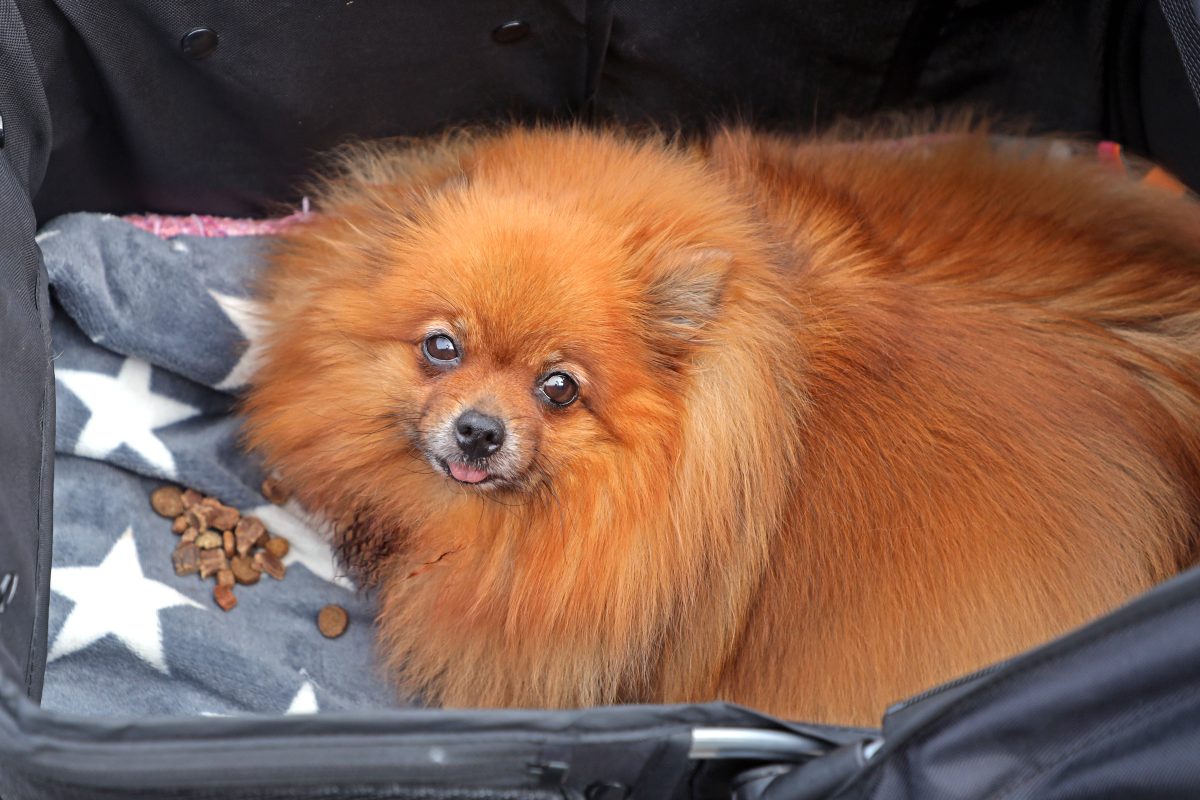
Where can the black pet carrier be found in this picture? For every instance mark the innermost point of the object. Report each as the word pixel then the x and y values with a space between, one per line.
pixel 179 109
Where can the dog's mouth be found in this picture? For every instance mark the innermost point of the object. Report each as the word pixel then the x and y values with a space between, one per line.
pixel 495 471
pixel 465 473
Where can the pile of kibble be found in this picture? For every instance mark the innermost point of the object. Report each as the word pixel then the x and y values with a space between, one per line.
pixel 216 541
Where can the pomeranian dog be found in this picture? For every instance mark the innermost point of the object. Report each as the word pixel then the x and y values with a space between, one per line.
pixel 804 425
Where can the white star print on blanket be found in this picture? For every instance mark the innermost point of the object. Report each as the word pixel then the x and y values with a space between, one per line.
pixel 115 598
pixel 125 411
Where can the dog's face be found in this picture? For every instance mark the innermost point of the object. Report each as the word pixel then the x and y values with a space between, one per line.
pixel 497 333
pixel 511 360
pixel 517 343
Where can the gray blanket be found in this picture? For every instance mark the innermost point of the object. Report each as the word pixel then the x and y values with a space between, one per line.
pixel 152 339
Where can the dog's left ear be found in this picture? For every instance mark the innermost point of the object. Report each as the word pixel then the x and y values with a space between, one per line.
pixel 685 295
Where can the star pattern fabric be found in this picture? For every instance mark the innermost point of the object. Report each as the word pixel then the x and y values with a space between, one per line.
pixel 305 701
pixel 246 315
pixel 124 411
pixel 151 338
pixel 115 598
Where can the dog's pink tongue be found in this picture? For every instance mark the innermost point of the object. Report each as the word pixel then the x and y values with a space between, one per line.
pixel 466 474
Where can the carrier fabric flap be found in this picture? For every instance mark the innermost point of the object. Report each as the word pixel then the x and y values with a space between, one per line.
pixel 644 748
pixel 1184 18
pixel 1112 710
pixel 26 383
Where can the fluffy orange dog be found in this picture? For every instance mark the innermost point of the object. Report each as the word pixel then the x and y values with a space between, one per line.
pixel 806 426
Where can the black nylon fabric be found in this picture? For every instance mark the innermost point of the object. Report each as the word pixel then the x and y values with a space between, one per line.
pixel 1183 16
pixel 1169 84
pixel 642 747
pixel 1151 107
pixel 1112 710
pixel 393 791
pixel 26 379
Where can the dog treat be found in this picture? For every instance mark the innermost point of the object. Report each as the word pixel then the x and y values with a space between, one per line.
pixel 224 518
pixel 167 501
pixel 277 546
pixel 247 533
pixel 209 540
pixel 270 564
pixel 274 492
pixel 332 621
pixel 186 559
pixel 197 517
pixel 216 541
pixel 212 562
pixel 219 515
pixel 244 571
pixel 223 594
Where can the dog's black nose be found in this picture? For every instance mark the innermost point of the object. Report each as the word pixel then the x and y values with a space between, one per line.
pixel 478 435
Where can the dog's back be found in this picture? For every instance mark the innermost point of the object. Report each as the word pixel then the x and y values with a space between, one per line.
pixel 1002 355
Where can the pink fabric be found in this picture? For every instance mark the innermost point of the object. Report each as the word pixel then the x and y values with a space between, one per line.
pixel 166 226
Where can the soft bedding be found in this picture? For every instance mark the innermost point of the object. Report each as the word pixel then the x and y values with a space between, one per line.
pixel 153 336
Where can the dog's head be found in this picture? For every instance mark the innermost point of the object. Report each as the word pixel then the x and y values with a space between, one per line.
pixel 494 317
pixel 507 302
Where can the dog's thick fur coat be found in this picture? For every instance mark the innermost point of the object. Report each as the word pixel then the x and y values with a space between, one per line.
pixel 855 417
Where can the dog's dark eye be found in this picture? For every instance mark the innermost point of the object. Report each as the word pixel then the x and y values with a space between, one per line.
pixel 440 349
pixel 560 389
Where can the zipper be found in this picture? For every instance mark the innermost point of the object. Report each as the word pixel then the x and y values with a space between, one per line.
pixel 945 687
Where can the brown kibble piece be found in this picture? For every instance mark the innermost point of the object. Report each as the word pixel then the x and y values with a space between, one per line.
pixel 270 564
pixel 212 562
pixel 224 518
pixel 224 577
pixel 244 571
pixel 186 559
pixel 191 498
pixel 227 544
pixel 274 492
pixel 247 533
pixel 189 535
pixel 209 540
pixel 167 501
pixel 197 517
pixel 223 594
pixel 179 525
pixel 277 546
pixel 332 621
